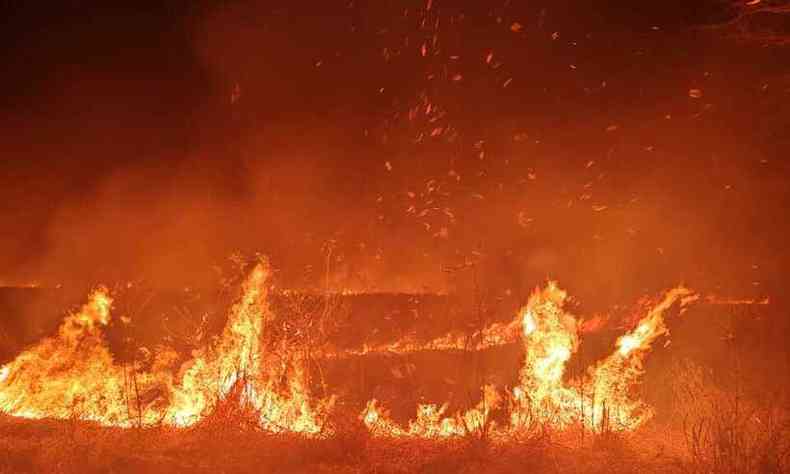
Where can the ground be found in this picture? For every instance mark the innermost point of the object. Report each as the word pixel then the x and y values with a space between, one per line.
pixel 78 447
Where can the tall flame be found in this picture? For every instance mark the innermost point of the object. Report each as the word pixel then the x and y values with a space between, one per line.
pixel 69 374
pixel 603 399
pixel 600 401
pixel 550 338
pixel 73 374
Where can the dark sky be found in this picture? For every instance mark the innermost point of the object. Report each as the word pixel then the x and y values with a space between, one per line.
pixel 616 147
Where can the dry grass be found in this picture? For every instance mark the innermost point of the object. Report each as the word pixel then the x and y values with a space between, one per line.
pixel 708 430
pixel 730 431
pixel 731 435
pixel 712 431
pixel 215 446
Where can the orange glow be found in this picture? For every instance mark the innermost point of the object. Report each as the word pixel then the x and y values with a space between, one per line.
pixel 74 375
pixel 544 397
pixel 431 421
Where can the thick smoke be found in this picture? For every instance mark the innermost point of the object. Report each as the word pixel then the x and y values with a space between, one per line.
pixel 273 131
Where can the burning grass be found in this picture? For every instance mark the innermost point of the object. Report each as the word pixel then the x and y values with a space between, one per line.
pixel 246 402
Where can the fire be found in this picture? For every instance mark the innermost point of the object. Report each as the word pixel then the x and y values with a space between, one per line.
pixel 378 421
pixel 496 334
pixel 431 421
pixel 528 323
pixel 550 338
pixel 602 400
pixel 73 374
pixel 70 374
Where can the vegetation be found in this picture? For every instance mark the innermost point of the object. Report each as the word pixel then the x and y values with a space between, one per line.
pixel 711 431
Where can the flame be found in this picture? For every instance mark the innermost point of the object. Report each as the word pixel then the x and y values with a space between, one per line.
pixel 550 338
pixel 73 374
pixel 614 378
pixel 69 374
pixel 430 421
pixel 236 362
pixel 528 323
pixel 379 422
pixel 728 301
pixel 602 400
pixel 494 335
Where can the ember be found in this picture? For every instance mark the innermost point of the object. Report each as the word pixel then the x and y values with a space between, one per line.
pixel 394 237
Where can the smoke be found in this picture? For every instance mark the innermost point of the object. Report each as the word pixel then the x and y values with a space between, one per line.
pixel 269 130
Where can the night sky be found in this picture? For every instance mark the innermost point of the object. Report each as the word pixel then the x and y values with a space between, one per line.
pixel 616 146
